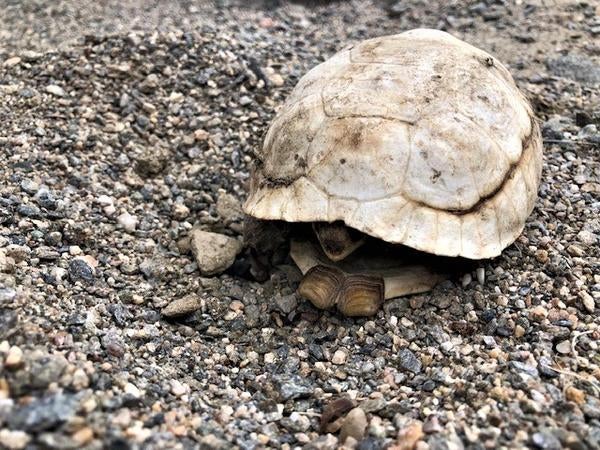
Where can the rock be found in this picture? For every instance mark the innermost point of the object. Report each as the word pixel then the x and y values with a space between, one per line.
pixel 57 441
pixel 229 208
pixel 587 237
pixel 554 127
pixel 45 370
pixel 326 442
pixel 80 270
pixel 576 67
pixel 149 85
pixel 276 79
pixel 397 8
pixel 152 161
pixel 55 90
pixel 588 301
pixel 292 387
pixel 354 425
pixel 180 307
pixel 9 320
pixel 541 256
pixel 180 211
pixel 214 252
pixel 286 303
pixel 564 347
pixel 29 186
pixel 83 436
pixel 44 413
pixel 128 222
pixel 334 410
pixel 409 435
pixel 408 361
pixel 131 389
pixel 340 356
pixel 575 395
pixel 46 199
pixel 432 425
pixel 29 211
pixel 545 440
pixel 545 368
pixel 12 61
pixel 522 367
pixel 177 388
pixel 14 358
pixel 296 422
pixel 13 440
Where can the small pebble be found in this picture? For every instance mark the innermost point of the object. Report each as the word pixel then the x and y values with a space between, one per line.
pixel 340 356
pixel 180 307
pixel 588 301
pixel 13 440
pixel 14 358
pixel 564 347
pixel 128 222
pixel 55 90
pixel 354 425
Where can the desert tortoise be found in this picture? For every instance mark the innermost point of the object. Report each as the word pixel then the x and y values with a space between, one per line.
pixel 417 139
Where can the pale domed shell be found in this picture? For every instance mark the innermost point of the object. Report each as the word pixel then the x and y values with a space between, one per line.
pixel 417 138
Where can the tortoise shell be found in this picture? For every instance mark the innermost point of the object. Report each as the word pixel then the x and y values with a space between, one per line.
pixel 418 138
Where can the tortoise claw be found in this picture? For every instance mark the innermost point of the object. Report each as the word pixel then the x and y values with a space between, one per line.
pixel 321 286
pixel 355 295
pixel 361 295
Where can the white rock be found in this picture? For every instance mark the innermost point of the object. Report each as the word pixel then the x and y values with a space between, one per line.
pixel 13 440
pixel 177 388
pixel 132 390
pixel 128 222
pixel 11 61
pixel 55 90
pixel 104 200
pixel 564 347
pixel 214 252
pixel 14 357
pixel 587 237
pixel 340 356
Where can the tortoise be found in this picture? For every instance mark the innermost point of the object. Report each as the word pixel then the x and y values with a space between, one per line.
pixel 396 148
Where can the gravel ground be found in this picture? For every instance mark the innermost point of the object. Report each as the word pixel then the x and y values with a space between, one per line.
pixel 128 129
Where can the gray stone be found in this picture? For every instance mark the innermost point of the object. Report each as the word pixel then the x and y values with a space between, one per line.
pixel 293 387
pixel 408 361
pixel 286 303
pixel 44 413
pixel 80 270
pixel 522 367
pixel 545 440
pixel 576 67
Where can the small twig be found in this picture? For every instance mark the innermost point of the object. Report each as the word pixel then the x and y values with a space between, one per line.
pixel 576 335
pixel 595 385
